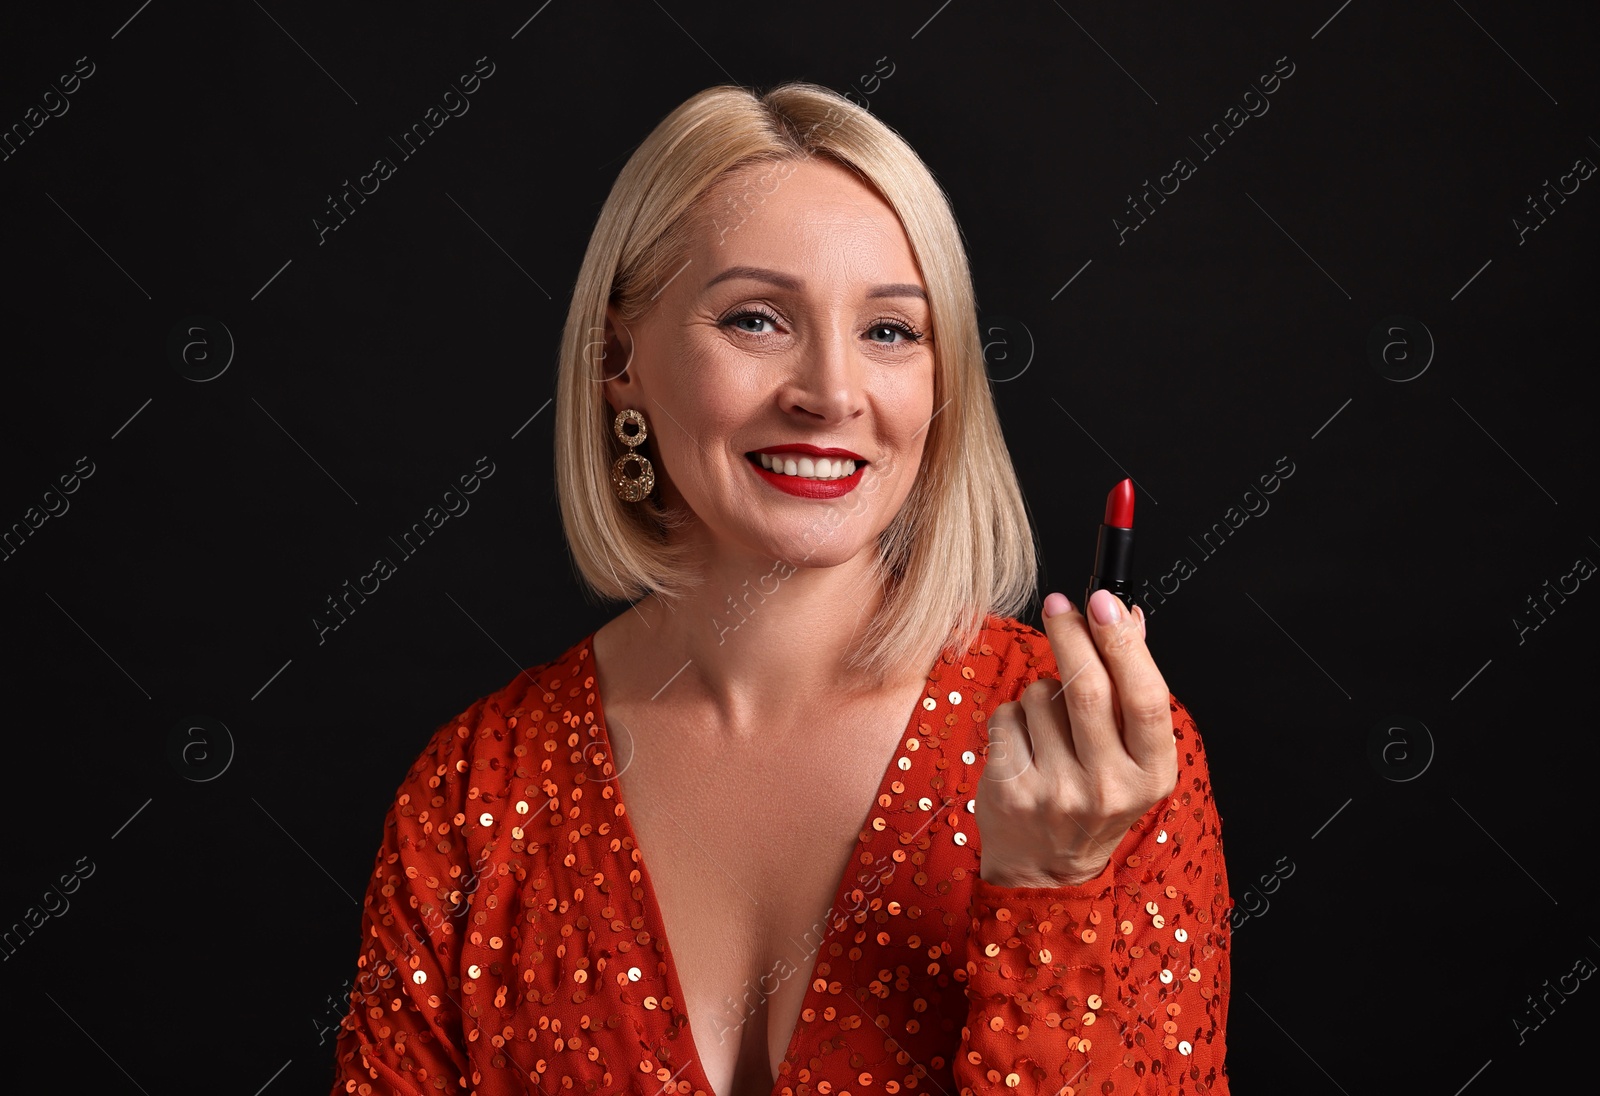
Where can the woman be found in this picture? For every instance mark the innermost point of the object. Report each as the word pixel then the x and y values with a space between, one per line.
pixel 774 431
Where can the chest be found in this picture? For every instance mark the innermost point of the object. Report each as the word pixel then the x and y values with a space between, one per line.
pixel 745 846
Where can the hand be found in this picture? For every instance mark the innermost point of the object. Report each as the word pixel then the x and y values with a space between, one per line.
pixel 1072 766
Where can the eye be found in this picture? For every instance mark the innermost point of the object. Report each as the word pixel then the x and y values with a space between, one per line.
pixel 750 314
pixel 908 333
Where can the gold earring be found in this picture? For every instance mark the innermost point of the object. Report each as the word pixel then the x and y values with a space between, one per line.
pixel 631 488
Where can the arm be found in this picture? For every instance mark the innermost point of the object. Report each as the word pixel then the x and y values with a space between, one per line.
pixel 1123 978
pixel 404 1028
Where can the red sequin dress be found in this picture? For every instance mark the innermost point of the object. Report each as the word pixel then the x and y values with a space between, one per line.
pixel 511 941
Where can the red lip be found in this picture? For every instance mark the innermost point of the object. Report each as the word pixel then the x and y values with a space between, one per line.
pixel 810 488
pixel 812 451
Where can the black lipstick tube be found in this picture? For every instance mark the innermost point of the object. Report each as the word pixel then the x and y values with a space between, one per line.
pixel 1113 565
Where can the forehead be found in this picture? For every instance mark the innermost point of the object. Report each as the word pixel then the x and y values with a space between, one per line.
pixel 802 212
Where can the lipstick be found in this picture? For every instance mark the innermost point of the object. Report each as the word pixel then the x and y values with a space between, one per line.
pixel 810 488
pixel 1113 550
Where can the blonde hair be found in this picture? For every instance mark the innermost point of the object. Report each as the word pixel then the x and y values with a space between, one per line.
pixel 961 545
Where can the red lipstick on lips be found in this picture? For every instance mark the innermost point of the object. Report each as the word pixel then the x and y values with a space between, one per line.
pixel 1113 550
pixel 810 488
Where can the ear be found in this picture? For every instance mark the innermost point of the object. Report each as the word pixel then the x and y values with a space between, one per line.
pixel 611 369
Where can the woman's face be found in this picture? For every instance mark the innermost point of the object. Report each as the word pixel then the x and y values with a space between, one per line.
pixel 797 317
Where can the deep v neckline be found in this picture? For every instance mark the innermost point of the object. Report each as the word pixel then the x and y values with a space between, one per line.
pixel 652 909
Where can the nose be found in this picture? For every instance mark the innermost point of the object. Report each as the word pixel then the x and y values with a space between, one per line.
pixel 827 382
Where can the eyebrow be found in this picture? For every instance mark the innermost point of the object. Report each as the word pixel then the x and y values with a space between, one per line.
pixel 784 281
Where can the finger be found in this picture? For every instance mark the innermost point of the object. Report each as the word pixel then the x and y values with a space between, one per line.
pixel 1044 719
pixel 1007 756
pixel 1140 688
pixel 1086 686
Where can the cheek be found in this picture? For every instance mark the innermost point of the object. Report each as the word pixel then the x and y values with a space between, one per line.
pixel 905 405
pixel 710 409
pixel 906 399
pixel 699 404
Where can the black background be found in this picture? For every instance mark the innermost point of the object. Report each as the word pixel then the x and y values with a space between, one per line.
pixel 208 950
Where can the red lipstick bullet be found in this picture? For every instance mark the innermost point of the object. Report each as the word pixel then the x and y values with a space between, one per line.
pixel 1113 550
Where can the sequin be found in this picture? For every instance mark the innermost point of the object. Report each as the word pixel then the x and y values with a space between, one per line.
pixel 507 961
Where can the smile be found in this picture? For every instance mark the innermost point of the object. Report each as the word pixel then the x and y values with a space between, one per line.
pixel 806 476
pixel 804 466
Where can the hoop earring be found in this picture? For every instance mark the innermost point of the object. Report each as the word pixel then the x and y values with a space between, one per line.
pixel 631 488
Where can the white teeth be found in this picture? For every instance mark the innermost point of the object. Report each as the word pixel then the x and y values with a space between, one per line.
pixel 807 467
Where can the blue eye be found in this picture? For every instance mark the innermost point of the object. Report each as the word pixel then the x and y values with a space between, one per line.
pixel 751 314
pixel 909 334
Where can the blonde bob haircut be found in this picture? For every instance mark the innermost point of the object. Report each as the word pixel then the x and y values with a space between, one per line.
pixel 961 546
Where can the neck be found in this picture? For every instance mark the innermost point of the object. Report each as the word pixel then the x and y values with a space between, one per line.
pixel 756 636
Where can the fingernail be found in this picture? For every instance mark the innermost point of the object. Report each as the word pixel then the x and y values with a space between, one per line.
pixel 1138 611
pixel 1055 603
pixel 1104 605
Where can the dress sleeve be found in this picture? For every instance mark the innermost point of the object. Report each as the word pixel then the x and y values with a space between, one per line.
pixel 1118 985
pixel 403 1033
